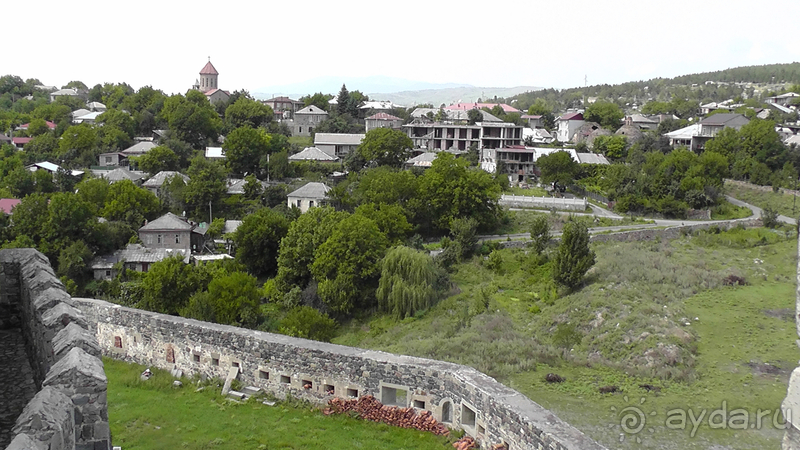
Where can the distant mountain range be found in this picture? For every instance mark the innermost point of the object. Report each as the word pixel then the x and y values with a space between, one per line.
pixel 398 90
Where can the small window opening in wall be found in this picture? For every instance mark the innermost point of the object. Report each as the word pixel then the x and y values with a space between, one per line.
pixel 307 384
pixel 447 412
pixel 467 416
pixel 419 404
pixel 285 379
pixel 234 364
pixel 329 389
pixel 118 341
pixel 214 361
pixel 264 375
pixel 352 393
pixel 170 355
pixel 393 397
pixel 481 430
pixel 196 357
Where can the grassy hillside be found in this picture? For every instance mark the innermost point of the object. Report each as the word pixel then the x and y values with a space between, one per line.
pixel 154 415
pixel 784 204
pixel 651 313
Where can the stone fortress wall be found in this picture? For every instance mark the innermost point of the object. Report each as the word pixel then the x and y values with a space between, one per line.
pixel 459 396
pixel 791 404
pixel 69 411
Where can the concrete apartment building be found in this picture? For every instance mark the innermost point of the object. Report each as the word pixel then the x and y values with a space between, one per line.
pixel 460 136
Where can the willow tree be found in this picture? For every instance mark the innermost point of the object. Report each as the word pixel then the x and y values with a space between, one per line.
pixel 409 282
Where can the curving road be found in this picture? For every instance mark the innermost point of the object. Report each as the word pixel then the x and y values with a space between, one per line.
pixel 598 211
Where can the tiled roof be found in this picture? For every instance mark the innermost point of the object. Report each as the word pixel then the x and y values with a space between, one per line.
pixel 382 116
pixel 21 140
pixel 468 106
pixel 208 69
pixel 312 154
pixel 158 179
pixel 7 204
pixel 50 125
pixel 311 190
pixel 572 116
pixel 168 221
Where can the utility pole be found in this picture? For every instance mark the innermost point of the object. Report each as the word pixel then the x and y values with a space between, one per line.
pixel 209 213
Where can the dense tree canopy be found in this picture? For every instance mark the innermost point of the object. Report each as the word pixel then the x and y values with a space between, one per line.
pixel 258 239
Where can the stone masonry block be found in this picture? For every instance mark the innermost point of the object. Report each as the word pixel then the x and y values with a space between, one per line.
pixel 26 442
pixel 73 335
pixel 78 371
pixel 49 298
pixel 48 418
pixel 61 315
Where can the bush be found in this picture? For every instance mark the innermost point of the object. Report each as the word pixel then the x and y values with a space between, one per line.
pixel 769 217
pixel 540 233
pixel 573 258
pixel 306 322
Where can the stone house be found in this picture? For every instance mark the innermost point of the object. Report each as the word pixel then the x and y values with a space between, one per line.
pixel 133 257
pixel 112 159
pixel 168 231
pixel 307 119
pixel 310 195
pixel 383 120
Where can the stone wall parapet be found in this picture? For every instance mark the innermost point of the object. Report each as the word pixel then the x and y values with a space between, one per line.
pixel 457 395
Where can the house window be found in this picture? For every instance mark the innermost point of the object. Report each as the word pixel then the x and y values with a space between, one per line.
pixel 299 202
pixel 311 203
pixel 159 239
pixel 177 238
pixel 299 129
pixel 108 160
pixel 108 273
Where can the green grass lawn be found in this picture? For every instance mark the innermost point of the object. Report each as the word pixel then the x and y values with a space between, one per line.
pixel 530 192
pixel 785 204
pixel 302 141
pixel 153 415
pixel 626 327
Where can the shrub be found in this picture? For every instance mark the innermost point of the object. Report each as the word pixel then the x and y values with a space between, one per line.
pixel 540 233
pixel 306 322
pixel 573 258
pixel 769 217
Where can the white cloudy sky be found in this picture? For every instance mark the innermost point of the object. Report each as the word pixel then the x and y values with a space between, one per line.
pixel 498 43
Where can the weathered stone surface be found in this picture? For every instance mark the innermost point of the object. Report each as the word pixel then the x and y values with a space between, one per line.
pixel 25 442
pixel 49 298
pixel 74 336
pixel 48 418
pixel 75 389
pixel 77 370
pixel 283 365
pixel 61 315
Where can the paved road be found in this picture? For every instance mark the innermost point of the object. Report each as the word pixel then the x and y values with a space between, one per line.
pixel 599 211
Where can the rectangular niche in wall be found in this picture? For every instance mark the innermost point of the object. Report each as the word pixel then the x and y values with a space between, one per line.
pixel 328 389
pixel 196 357
pixel 117 341
pixel 286 379
pixel 263 375
pixel 419 404
pixel 467 416
pixel 393 397
pixel 352 393
pixel 214 361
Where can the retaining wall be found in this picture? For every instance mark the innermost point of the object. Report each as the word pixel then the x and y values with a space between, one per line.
pixel 524 201
pixel 459 396
pixel 649 234
pixel 70 410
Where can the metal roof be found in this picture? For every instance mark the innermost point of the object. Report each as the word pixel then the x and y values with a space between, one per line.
pixel 312 154
pixel 311 109
pixel 139 148
pixel 169 222
pixel 338 138
pixel 161 177
pixel 592 158
pixel 311 190
pixel 208 69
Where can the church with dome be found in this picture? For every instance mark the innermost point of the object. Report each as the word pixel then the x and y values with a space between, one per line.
pixel 208 84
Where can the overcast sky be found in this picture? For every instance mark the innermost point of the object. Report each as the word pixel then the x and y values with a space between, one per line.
pixel 483 43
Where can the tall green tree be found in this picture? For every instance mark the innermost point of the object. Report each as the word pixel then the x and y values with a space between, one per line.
pixel 557 167
pixel 246 150
pixel 347 265
pixel 192 118
pixel 410 282
pixel 170 283
pixel 574 257
pixel 158 159
pixel 384 147
pixel 258 239
pixel 246 112
pixel 231 299
pixel 607 114
pixel 131 204
pixel 206 186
